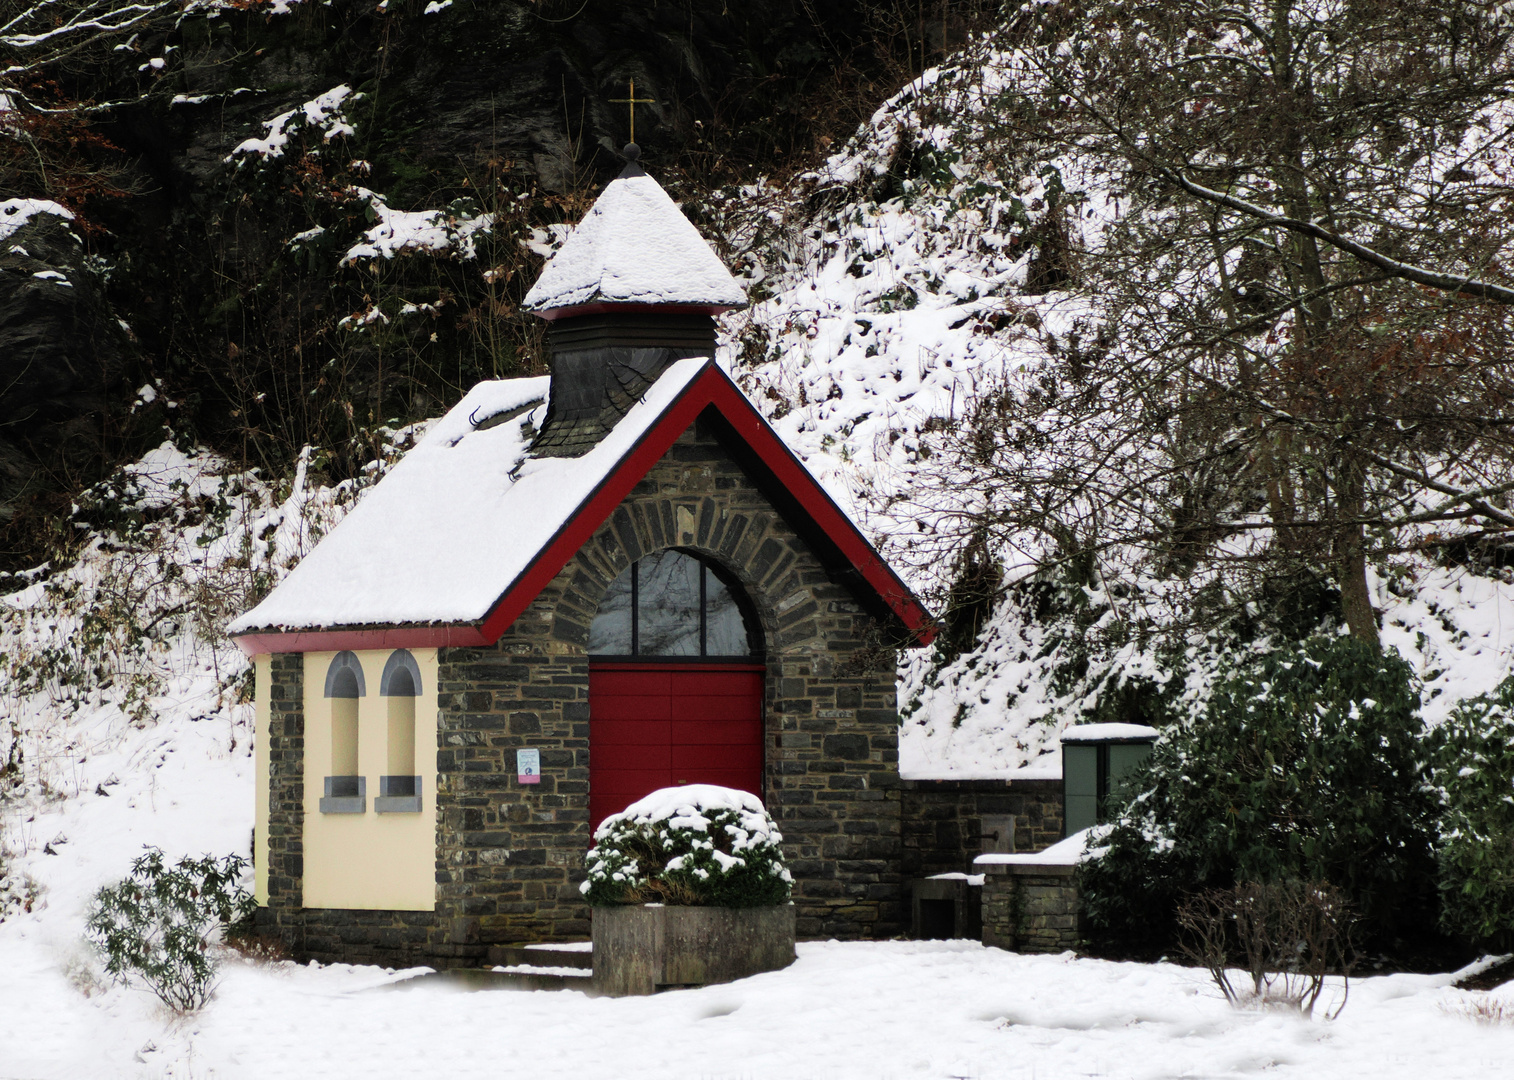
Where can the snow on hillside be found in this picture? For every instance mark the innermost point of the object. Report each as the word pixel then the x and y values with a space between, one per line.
pixel 125 713
pixel 899 280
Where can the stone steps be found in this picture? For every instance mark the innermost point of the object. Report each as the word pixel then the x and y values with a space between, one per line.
pixel 522 977
pixel 541 956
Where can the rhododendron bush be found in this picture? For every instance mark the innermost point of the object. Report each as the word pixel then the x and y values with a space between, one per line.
pixel 697 844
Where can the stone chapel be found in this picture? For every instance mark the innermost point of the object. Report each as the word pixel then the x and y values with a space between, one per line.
pixel 575 590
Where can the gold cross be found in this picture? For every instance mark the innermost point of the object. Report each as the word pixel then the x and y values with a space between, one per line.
pixel 633 101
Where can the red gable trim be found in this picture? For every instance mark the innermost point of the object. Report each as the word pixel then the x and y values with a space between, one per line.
pixel 840 529
pixel 711 387
pixel 257 643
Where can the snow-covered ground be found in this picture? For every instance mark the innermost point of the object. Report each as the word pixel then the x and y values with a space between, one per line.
pixel 865 1010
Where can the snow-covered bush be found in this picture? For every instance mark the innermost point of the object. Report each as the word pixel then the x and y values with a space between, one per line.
pixel 697 844
pixel 1473 755
pixel 158 923
pixel 1306 765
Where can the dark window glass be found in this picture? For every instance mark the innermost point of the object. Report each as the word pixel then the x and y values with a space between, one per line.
pixel 610 632
pixel 725 629
pixel 669 604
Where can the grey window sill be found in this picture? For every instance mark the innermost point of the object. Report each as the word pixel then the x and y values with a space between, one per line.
pixel 398 795
pixel 397 804
pixel 345 803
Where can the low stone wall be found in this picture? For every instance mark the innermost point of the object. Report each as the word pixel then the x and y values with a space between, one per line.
pixel 945 821
pixel 1030 908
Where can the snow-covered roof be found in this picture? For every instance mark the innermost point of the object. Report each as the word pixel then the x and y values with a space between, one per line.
pixel 461 535
pixel 452 526
pixel 634 246
pixel 1109 733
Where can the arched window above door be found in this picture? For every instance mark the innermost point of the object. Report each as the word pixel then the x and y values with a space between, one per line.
pixel 675 605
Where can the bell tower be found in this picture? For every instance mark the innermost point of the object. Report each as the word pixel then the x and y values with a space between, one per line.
pixel 634 288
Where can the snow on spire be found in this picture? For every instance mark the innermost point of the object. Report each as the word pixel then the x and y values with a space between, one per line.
pixel 634 246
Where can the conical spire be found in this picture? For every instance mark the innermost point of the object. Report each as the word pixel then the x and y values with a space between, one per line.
pixel 634 247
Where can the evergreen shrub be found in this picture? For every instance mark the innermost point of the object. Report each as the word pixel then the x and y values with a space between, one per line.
pixel 1306 765
pixel 1473 768
pixel 698 844
pixel 158 924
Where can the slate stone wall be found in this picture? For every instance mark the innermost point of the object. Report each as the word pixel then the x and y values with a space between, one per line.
pixel 387 938
pixel 510 856
pixel 1030 909
pixel 286 800
pixel 943 820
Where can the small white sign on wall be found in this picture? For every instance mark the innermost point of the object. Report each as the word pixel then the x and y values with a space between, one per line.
pixel 528 766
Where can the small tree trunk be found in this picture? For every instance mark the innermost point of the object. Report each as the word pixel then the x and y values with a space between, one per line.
pixel 1356 599
pixel 1351 554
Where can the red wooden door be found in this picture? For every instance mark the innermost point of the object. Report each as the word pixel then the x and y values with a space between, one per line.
pixel 655 725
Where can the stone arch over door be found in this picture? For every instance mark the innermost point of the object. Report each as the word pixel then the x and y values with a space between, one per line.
pixel 509 856
pixel 676 682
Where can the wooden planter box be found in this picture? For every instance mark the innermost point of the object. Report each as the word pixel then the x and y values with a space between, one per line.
pixel 639 949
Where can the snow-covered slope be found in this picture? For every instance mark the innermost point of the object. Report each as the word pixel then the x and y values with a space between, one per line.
pixel 125 712
pixel 898 282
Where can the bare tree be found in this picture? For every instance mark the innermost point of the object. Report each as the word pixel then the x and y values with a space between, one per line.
pixel 1292 309
pixel 35 35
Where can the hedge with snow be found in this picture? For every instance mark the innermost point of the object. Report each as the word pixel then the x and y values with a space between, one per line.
pixel 697 844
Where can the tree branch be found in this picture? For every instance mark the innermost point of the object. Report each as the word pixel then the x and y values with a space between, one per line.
pixel 1471 286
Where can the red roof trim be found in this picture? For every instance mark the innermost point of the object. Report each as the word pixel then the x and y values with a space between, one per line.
pixel 837 526
pixel 574 310
pixel 257 643
pixel 711 387
pixel 600 504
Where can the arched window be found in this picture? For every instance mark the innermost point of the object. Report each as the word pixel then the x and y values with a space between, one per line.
pixel 400 787
pixel 346 791
pixel 672 604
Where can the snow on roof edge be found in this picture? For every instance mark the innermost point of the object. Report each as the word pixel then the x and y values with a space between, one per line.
pixel 434 524
pixel 1109 733
pixel 1066 852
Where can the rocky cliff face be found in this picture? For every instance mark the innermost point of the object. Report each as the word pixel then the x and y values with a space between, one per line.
pixel 61 358
pixel 320 218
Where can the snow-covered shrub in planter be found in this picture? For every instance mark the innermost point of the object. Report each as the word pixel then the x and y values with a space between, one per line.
pixel 697 845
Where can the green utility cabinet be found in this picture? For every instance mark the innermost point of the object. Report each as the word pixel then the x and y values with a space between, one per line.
pixel 1095 759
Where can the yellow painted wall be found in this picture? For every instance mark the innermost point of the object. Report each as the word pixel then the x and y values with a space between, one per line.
pixel 260 691
pixel 374 861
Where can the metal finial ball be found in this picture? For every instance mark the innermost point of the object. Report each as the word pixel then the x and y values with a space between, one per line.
pixel 631 152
